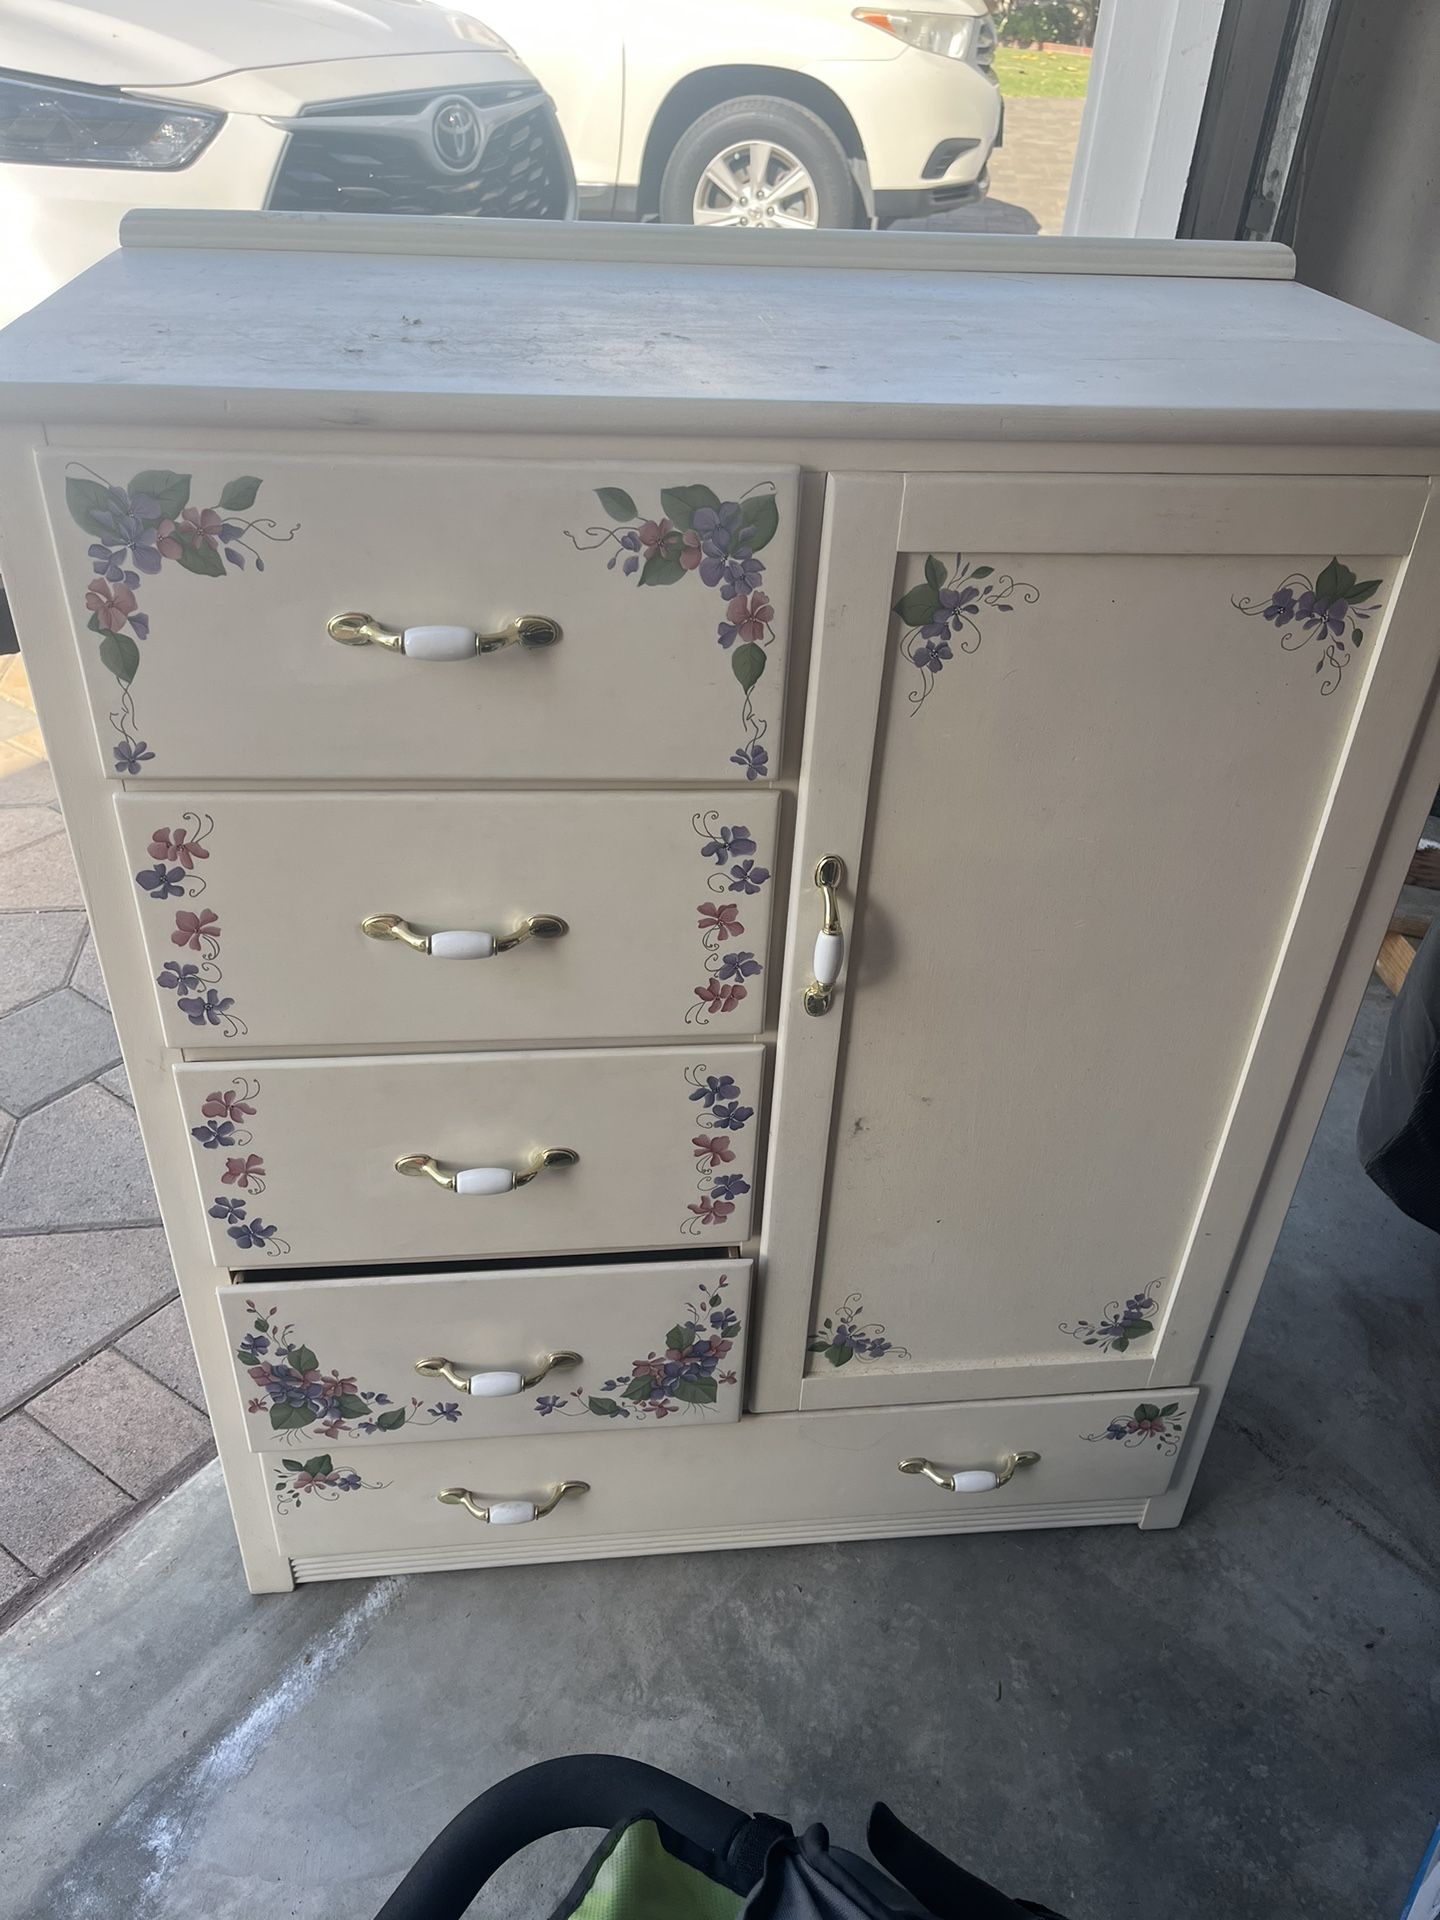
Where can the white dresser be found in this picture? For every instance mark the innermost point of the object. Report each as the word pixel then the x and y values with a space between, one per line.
pixel 732 874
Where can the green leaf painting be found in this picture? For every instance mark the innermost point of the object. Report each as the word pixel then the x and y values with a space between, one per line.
pixel 617 503
pixel 171 491
pixel 120 655
pixel 238 496
pixel 747 663
pixel 679 504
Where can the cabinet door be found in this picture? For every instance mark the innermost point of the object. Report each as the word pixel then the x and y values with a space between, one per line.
pixel 1135 743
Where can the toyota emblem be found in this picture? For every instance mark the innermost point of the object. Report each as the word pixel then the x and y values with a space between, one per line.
pixel 457 135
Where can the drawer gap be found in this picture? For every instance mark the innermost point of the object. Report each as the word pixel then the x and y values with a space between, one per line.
pixel 378 1270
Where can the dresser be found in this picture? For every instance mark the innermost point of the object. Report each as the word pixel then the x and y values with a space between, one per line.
pixel 732 867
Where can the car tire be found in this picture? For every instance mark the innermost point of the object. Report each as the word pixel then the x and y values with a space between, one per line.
pixel 724 139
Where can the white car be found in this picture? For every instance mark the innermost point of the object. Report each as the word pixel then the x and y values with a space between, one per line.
pixel 350 106
pixel 765 113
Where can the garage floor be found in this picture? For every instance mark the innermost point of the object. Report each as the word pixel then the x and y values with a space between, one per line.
pixel 1234 1719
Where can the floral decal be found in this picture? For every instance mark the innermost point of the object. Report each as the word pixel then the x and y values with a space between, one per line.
pixel 1118 1325
pixel 297 1394
pixel 946 606
pixel 722 1113
pixel 1329 612
pixel 716 540
pixel 1148 1425
pixel 221 1128
pixel 841 1337
pixel 176 852
pixel 320 1478
pixel 687 1374
pixel 134 531
pixel 736 872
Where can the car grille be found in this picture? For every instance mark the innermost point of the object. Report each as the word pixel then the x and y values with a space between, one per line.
pixel 523 171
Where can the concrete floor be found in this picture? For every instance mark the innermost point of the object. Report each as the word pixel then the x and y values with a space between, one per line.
pixel 1234 1719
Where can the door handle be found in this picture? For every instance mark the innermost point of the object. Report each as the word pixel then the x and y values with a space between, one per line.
pixel 830 941
pixel 971 1479
pixel 459 943
pixel 479 1180
pixel 532 631
pixel 495 1383
pixel 510 1513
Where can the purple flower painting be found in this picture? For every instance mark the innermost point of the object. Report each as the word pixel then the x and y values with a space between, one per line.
pixel 1149 1425
pixel 178 853
pixel 297 1395
pixel 719 542
pixel 685 1375
pixel 841 1337
pixel 1330 613
pixel 1118 1325
pixel 297 1481
pixel 220 1128
pixel 730 971
pixel 724 1115
pixel 943 611
pixel 134 531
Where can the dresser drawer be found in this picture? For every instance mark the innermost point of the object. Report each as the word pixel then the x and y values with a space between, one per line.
pixel 202 593
pixel 329 1363
pixel 296 1159
pixel 252 909
pixel 771 1478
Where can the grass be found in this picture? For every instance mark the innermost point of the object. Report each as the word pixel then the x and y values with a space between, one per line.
pixel 1041 76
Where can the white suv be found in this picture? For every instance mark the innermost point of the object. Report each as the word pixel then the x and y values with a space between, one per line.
pixel 769 113
pixel 365 106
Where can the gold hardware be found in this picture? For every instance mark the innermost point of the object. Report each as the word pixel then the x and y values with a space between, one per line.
pixel 1002 1472
pixel 829 874
pixel 418 1164
pixel 528 630
pixel 462 1497
pixel 535 926
pixel 442 1369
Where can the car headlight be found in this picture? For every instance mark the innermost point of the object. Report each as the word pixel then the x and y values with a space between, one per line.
pixel 951 34
pixel 49 123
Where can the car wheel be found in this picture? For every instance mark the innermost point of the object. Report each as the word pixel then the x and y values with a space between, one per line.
pixel 759 163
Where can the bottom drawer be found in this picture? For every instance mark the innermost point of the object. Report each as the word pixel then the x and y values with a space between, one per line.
pixel 770 1479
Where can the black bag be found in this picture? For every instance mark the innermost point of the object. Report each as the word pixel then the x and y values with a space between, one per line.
pixel 1399 1132
pixel 674 1852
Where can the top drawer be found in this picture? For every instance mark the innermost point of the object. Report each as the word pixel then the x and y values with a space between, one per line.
pixel 201 591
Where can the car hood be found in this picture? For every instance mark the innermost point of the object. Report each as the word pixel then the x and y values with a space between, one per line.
pixel 166 43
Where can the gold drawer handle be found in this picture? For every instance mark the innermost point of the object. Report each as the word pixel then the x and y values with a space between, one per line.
pixel 494 1383
pixel 971 1479
pixel 510 1513
pixel 830 941
pixel 529 630
pixel 460 943
pixel 473 1180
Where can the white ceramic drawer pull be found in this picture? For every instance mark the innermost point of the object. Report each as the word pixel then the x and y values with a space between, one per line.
pixel 529 630
pixel 459 943
pixel 473 1180
pixel 510 1513
pixel 830 941
pixel 971 1479
pixel 496 1383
